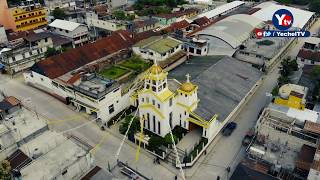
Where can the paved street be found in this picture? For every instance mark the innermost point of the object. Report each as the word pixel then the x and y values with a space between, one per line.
pixel 62 118
pixel 226 151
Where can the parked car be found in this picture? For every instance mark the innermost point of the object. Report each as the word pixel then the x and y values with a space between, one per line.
pixel 230 127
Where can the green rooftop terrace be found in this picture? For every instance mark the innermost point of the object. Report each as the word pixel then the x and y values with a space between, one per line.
pixel 158 44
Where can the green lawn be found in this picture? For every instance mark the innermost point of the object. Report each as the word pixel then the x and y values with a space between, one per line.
pixel 113 72
pixel 135 63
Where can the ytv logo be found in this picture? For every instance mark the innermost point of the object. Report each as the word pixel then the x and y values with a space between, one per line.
pixel 282 19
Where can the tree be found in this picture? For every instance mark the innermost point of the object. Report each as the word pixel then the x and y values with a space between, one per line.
pixel 314 6
pixel 58 13
pixel 315 72
pixel 168 139
pixel 5 169
pixel 283 80
pixel 135 126
pixel 155 142
pixel 119 15
pixel 51 52
pixel 275 91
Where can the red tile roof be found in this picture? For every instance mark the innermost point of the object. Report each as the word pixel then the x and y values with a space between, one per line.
pixel 310 55
pixel 252 10
pixel 206 25
pixel 58 65
pixel 12 100
pixel 177 25
pixel 202 21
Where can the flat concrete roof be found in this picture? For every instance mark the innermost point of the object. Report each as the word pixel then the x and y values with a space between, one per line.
pixel 223 82
pixel 54 161
pixel 25 124
pixel 267 51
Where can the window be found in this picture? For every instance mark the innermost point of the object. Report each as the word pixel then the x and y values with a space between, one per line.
pixel 153 102
pixel 45 39
pixel 184 123
pixel 199 51
pixel 191 50
pixel 312 62
pixel 154 123
pixel 148 118
pixel 185 95
pixel 164 85
pixel 170 102
pixel 159 127
pixel 170 119
pixel 147 99
pixel 180 123
pixel 185 113
pixel 142 99
pixel 41 79
pixel 302 60
pixel 111 109
pixel 158 106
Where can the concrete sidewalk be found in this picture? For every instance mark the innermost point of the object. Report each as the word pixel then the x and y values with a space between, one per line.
pixel 190 140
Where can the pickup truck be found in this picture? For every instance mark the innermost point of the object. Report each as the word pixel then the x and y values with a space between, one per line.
pixel 230 127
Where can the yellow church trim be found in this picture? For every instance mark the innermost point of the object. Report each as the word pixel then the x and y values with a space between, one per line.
pixel 188 93
pixel 145 105
pixel 189 107
pixel 164 96
pixel 197 122
pixel 156 77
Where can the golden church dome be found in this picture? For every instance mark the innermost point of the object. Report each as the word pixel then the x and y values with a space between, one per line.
pixel 155 69
pixel 187 87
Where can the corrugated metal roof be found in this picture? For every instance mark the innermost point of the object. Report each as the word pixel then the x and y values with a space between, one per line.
pixel 221 9
pixel 65 25
pixel 301 17
pixel 58 65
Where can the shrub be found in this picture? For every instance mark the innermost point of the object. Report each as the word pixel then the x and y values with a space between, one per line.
pixel 168 139
pixel 155 142
pixel 135 126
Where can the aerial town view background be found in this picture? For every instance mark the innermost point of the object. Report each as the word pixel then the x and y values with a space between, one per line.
pixel 159 90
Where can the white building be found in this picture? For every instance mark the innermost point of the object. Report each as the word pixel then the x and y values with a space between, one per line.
pixel 302 18
pixel 157 48
pixel 3 35
pixel 55 157
pixel 222 10
pixel 117 3
pixel 93 20
pixel 160 108
pixel 164 104
pixel 78 32
pixel 309 54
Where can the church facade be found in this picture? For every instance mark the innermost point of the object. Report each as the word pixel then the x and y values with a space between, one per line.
pixel 162 108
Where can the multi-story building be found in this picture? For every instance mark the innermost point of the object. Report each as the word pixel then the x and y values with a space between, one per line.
pixel 23 18
pixel 3 35
pixel 309 54
pixel 104 21
pixel 79 33
pixel 143 25
pixel 23 49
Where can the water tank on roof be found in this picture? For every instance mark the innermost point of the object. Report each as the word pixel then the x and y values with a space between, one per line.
pixel 36 153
